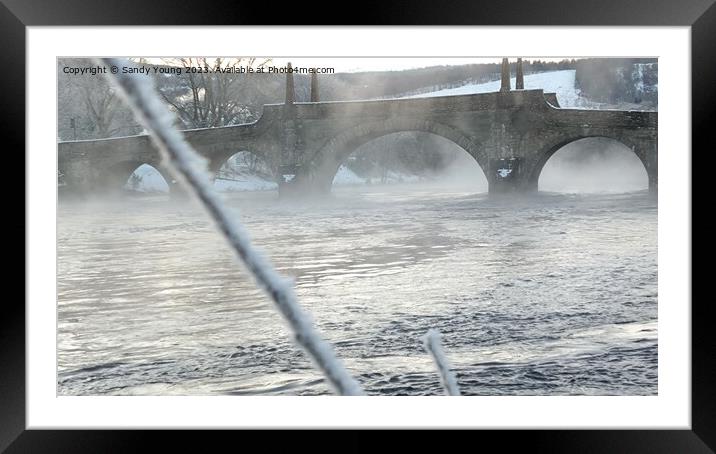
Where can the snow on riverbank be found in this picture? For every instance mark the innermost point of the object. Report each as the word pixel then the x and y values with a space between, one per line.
pixel 245 183
pixel 346 177
pixel 147 179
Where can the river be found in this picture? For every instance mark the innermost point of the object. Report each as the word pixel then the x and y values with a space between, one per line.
pixel 551 294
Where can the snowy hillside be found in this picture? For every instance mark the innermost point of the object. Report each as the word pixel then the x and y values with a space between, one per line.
pixel 560 82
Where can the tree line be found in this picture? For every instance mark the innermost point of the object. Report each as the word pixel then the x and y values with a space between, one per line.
pixel 619 80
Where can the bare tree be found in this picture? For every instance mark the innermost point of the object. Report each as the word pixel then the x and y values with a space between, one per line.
pixel 101 104
pixel 88 107
pixel 208 91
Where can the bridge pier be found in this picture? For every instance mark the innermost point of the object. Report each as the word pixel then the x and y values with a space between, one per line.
pixel 314 88
pixel 177 191
pixel 301 189
pixel 520 77
pixel 511 188
pixel 508 175
pixel 505 76
pixel 652 165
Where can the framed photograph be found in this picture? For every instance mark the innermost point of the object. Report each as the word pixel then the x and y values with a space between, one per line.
pixel 456 220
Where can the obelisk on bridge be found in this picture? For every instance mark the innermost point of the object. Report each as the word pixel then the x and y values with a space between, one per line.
pixel 288 167
pixel 505 85
pixel 520 76
pixel 290 89
pixel 314 88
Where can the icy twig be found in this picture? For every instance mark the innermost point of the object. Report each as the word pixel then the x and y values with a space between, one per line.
pixel 191 169
pixel 431 341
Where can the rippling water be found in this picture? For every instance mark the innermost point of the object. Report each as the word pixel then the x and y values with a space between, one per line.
pixel 547 295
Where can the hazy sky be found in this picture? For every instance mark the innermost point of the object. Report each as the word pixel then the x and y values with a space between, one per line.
pixel 357 64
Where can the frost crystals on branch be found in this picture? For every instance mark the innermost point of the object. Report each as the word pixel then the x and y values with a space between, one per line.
pixel 190 169
pixel 431 341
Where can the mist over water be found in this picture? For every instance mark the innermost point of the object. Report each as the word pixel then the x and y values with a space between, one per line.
pixel 549 294
pixel 594 166
pixel 586 166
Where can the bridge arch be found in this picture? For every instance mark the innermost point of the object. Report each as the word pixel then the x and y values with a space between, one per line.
pixel 117 176
pixel 324 165
pixel 245 165
pixel 644 150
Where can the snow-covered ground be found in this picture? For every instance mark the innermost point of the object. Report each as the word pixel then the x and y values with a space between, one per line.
pixel 560 82
pixel 245 183
pixel 346 177
pixel 149 180
pixel 243 172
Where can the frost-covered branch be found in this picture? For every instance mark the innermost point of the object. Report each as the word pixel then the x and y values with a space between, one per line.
pixel 431 341
pixel 191 169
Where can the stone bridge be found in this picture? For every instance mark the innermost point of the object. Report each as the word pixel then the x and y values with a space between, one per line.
pixel 511 134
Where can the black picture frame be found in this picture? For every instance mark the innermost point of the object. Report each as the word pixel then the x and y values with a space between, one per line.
pixel 16 15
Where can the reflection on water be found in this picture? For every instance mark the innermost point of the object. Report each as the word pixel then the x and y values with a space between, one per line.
pixel 551 294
